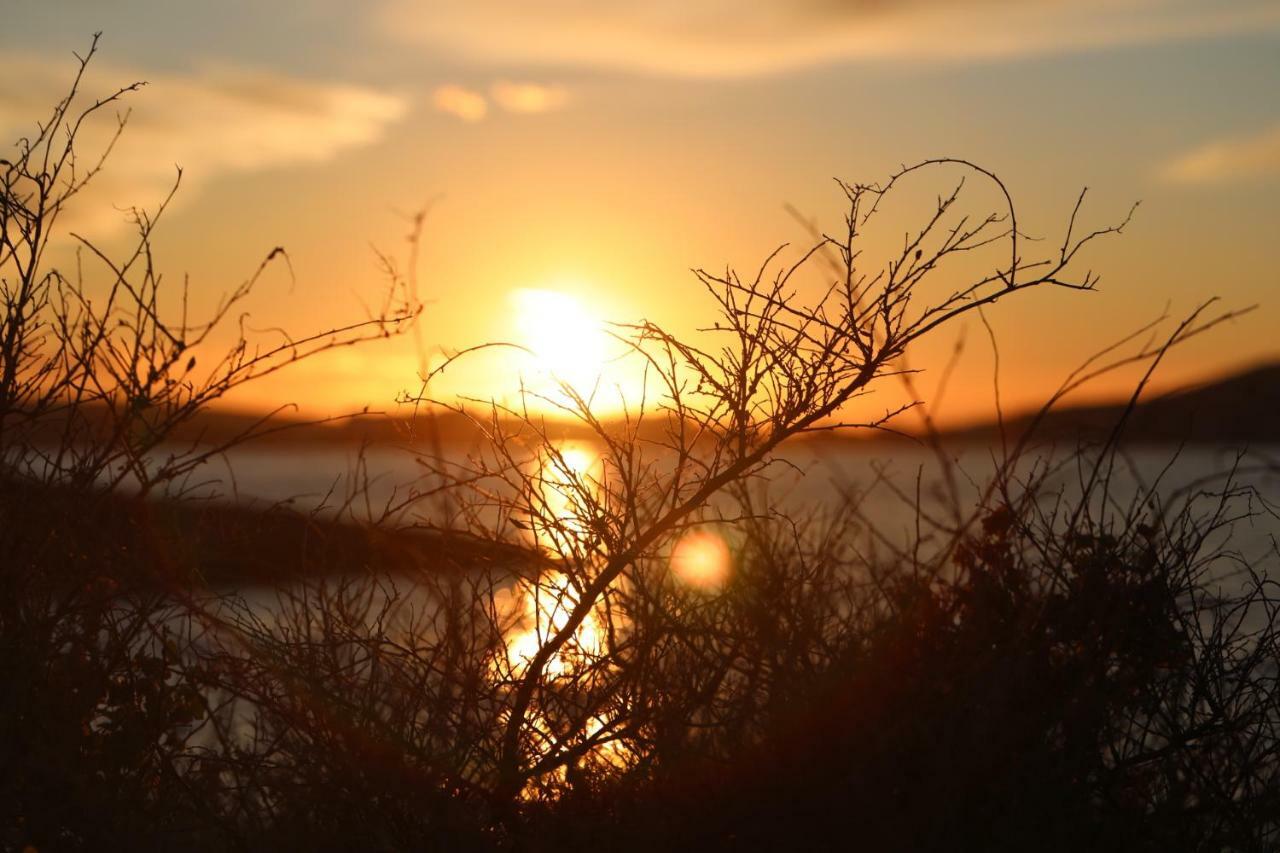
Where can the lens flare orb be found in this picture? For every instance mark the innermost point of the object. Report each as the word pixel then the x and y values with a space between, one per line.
pixel 701 559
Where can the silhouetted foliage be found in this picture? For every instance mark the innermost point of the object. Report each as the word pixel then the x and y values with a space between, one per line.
pixel 1053 662
pixel 96 372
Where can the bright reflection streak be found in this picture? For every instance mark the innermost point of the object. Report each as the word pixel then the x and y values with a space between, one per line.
pixel 605 756
pixel 542 609
pixel 701 559
pixel 568 482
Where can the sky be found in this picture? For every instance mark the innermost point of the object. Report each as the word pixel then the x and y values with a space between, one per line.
pixel 597 151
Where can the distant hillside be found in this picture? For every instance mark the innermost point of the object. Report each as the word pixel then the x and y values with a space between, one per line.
pixel 222 426
pixel 1240 409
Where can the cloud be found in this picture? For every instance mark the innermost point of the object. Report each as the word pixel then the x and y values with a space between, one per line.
pixel 1237 158
pixel 523 98
pixel 729 38
pixel 216 121
pixel 528 97
pixel 468 105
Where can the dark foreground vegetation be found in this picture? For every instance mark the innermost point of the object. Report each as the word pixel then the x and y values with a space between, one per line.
pixel 1044 666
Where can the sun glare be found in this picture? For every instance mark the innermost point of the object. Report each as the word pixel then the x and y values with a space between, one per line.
pixel 566 341
pixel 701 559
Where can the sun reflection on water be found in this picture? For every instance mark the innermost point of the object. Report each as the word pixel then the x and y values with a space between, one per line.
pixel 568 482
pixel 538 610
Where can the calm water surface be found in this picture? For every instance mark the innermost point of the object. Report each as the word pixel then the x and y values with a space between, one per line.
pixel 816 477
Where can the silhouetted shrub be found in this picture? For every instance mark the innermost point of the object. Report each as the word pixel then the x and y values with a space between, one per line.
pixel 1038 667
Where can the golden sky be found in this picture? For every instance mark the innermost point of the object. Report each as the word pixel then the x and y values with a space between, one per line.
pixel 596 151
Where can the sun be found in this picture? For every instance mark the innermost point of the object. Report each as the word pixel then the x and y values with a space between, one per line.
pixel 565 341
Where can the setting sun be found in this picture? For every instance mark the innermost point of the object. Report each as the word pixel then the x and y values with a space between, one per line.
pixel 565 341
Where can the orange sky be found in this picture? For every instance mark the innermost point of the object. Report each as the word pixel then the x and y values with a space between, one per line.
pixel 600 150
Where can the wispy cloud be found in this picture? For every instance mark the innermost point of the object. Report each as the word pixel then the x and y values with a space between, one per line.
pixel 528 97
pixel 732 38
pixel 466 104
pixel 523 98
pixel 215 121
pixel 1238 158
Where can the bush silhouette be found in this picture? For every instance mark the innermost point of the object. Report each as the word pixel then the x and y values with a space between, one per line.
pixel 1043 666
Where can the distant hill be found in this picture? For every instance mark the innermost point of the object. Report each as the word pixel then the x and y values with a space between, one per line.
pixel 221 426
pixel 1240 409
pixel 1243 408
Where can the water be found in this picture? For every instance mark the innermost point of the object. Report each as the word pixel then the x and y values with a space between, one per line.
pixel 812 477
